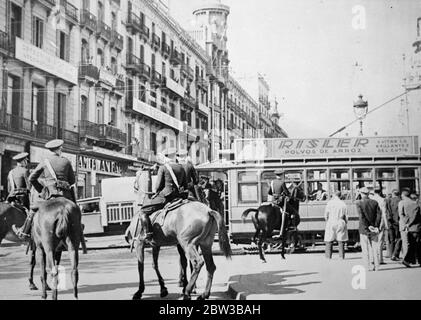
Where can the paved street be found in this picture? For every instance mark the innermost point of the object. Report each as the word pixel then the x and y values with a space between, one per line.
pixel 112 274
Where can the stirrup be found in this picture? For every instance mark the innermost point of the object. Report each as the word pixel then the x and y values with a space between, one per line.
pixel 19 233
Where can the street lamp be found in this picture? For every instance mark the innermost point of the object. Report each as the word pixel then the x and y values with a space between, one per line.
pixel 360 111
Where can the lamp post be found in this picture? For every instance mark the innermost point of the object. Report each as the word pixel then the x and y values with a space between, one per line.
pixel 360 111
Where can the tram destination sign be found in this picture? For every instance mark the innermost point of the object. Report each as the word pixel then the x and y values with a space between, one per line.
pixel 275 149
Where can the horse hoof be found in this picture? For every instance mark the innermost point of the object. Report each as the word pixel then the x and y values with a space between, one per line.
pixel 32 287
pixel 137 296
pixel 283 257
pixel 164 293
pixel 47 288
pixel 263 261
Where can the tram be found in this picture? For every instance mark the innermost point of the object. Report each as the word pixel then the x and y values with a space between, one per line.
pixel 322 167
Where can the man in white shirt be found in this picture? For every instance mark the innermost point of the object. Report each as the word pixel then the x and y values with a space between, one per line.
pixel 336 216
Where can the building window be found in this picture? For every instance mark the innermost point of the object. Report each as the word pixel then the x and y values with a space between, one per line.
pixel 142 53
pixel 113 117
pixel 153 142
pixel 142 93
pixel 100 11
pixel 114 66
pixel 85 53
pixel 84 108
pixel 37 32
pixel 38 104
pixel 99 119
pixel 60 113
pixel 14 96
pixel 63 48
pixel 16 21
pixel 113 21
pixel 100 58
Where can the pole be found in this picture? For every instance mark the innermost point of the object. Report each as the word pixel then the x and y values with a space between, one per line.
pixel 361 128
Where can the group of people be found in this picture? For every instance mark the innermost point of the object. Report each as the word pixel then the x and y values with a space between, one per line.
pixel 395 220
pixel 54 177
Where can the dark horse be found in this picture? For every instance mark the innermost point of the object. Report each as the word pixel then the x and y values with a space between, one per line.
pixel 269 217
pixel 190 226
pixel 57 223
pixel 9 216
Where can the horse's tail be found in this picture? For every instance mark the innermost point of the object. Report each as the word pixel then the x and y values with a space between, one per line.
pixel 224 242
pixel 246 213
pixel 62 224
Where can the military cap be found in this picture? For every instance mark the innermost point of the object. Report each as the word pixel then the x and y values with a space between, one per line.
pixel 182 153
pixel 204 177
pixel 21 156
pixel 54 144
pixel 279 172
pixel 364 190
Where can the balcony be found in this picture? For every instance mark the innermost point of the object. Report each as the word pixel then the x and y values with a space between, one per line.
pixel 210 71
pixel 145 33
pixel 165 50
pixel 156 41
pixel 48 4
pixel 156 78
pixel 102 134
pixel 70 11
pixel 187 71
pixel 88 20
pixel 132 63
pixel 89 73
pixel 45 131
pixel 16 124
pixel 189 101
pixel 70 137
pixel 117 40
pixel 202 83
pixel 175 58
pixel 120 86
pixel 103 31
pixel 144 71
pixel 6 45
pixel 134 23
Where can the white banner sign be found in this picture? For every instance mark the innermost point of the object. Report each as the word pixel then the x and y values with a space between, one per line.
pixel 276 149
pixel 37 57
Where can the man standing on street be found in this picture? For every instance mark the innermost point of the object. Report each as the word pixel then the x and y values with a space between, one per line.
pixel 370 219
pixel 336 217
pixel 384 223
pixel 392 212
pixel 410 217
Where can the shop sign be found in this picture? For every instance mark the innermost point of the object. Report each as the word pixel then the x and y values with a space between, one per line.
pixel 99 165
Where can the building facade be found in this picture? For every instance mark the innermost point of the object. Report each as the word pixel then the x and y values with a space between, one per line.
pixel 120 82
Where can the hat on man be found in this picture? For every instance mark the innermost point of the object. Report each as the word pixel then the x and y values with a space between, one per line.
pixel 279 172
pixel 182 153
pixel 365 190
pixel 54 144
pixel 21 156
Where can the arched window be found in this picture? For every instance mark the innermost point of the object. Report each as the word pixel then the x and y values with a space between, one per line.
pixel 99 113
pixel 100 11
pixel 113 21
pixel 85 52
pixel 114 66
pixel 84 108
pixel 113 117
pixel 100 58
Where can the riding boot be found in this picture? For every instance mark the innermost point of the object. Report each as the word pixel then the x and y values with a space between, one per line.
pixel 328 250
pixel 147 225
pixel 24 232
pixel 341 250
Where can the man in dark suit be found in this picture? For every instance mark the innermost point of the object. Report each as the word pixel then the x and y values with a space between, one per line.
pixel 278 189
pixel 370 218
pixel 18 183
pixel 191 174
pixel 410 215
pixel 392 214
pixel 170 183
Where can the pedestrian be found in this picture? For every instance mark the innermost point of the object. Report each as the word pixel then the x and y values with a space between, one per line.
pixel 410 215
pixel 336 216
pixel 370 217
pixel 384 225
pixel 392 212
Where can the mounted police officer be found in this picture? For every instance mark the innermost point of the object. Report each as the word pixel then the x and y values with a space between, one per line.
pixel 171 184
pixel 279 190
pixel 18 182
pixel 58 176
pixel 191 174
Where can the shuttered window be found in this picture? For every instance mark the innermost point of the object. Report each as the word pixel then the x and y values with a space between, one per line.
pixel 37 32
pixel 63 45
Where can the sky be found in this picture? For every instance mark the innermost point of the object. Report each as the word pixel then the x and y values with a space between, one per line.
pixel 319 55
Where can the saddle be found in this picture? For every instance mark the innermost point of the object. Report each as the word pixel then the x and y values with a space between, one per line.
pixel 160 215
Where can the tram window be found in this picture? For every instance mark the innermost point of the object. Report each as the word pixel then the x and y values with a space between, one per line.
pixel 362 174
pixel 408 178
pixel 267 177
pixel 339 181
pixel 362 177
pixel 317 185
pixel 386 180
pixel 247 186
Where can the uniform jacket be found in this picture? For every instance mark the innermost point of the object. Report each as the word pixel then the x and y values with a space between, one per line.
pixel 191 174
pixel 278 188
pixel 369 213
pixel 409 215
pixel 19 176
pixel 336 216
pixel 392 210
pixel 63 170
pixel 165 185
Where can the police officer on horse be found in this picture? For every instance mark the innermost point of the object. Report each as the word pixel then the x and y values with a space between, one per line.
pixel 191 175
pixel 58 176
pixel 171 184
pixel 18 182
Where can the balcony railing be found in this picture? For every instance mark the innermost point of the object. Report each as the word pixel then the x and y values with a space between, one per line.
pixel 49 3
pixel 156 78
pixel 134 23
pixel 103 31
pixel 70 11
pixel 166 50
pixel 132 62
pixel 202 83
pixel 187 70
pixel 16 124
pixel 144 71
pixel 175 57
pixel 70 137
pixel 101 132
pixel 45 131
pixel 145 32
pixel 156 41
pixel 88 72
pixel 120 86
pixel 189 101
pixel 117 40
pixel 88 20
pixel 6 44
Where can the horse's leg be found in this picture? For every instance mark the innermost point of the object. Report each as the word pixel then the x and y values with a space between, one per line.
pixel 210 267
pixel 140 253
pixel 197 262
pixel 41 258
pixel 262 238
pixel 32 263
pixel 155 255
pixel 73 252
pixel 53 270
pixel 183 268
